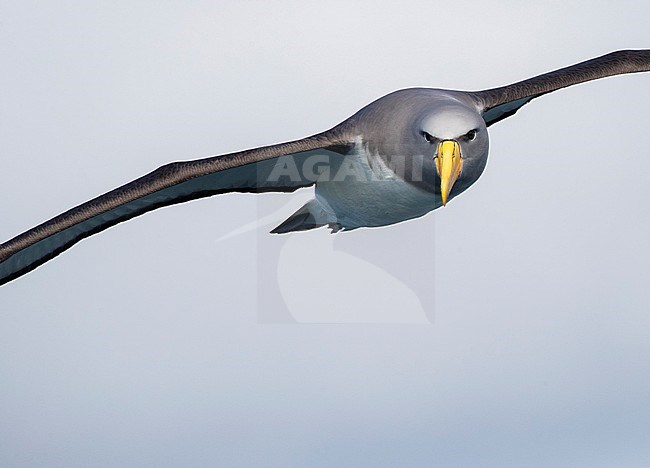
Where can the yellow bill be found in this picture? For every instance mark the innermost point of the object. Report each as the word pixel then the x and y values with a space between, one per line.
pixel 449 165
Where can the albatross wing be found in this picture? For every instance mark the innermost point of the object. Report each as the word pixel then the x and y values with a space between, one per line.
pixel 277 168
pixel 498 103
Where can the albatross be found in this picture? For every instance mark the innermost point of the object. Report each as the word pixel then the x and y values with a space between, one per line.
pixel 398 158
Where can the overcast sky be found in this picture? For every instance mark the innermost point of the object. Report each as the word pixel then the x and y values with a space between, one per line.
pixel 508 329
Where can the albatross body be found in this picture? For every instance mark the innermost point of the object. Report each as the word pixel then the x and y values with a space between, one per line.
pixel 389 173
pixel 398 158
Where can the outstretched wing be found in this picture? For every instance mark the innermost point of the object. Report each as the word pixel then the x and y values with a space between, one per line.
pixel 278 168
pixel 498 103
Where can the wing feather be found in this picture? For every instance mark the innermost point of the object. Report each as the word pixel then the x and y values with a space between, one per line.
pixel 277 168
pixel 498 103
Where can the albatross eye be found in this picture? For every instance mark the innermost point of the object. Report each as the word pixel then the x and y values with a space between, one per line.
pixel 471 135
pixel 428 137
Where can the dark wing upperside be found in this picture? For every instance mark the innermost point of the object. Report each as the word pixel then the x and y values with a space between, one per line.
pixel 276 168
pixel 498 103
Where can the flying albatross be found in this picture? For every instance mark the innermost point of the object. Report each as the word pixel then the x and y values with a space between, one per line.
pixel 398 158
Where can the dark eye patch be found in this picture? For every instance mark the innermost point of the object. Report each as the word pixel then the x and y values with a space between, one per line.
pixel 471 135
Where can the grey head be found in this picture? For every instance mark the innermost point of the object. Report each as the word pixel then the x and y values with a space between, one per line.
pixel 413 131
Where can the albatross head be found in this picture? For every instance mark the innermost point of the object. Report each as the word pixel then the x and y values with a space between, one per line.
pixel 455 136
pixel 436 138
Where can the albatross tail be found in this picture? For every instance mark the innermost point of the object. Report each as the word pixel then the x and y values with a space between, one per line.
pixel 312 215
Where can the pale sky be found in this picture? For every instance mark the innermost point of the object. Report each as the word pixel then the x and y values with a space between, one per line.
pixel 509 328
